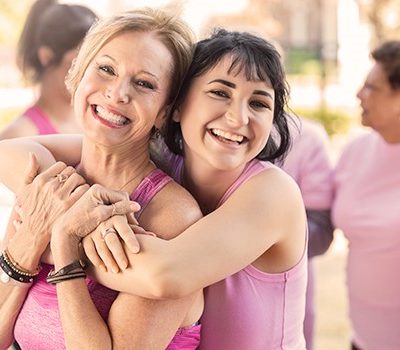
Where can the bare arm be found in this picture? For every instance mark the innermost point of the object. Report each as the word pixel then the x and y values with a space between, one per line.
pixel 220 244
pixel 12 296
pixel 134 322
pixel 14 155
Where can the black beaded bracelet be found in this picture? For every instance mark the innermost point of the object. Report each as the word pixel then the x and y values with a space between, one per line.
pixel 12 272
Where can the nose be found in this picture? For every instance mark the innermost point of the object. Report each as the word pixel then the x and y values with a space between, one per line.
pixel 119 91
pixel 237 115
pixel 360 93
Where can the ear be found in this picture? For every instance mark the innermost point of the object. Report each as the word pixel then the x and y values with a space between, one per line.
pixel 176 115
pixel 162 117
pixel 45 55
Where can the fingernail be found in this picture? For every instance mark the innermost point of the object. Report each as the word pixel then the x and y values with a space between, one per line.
pixel 102 268
pixel 114 270
pixel 124 265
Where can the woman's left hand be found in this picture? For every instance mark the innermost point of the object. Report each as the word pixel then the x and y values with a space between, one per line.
pixel 104 246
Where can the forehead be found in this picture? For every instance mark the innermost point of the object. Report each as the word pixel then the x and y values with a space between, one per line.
pixel 377 75
pixel 225 67
pixel 139 49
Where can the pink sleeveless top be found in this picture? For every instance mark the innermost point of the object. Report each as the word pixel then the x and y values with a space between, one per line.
pixel 252 309
pixel 38 325
pixel 40 120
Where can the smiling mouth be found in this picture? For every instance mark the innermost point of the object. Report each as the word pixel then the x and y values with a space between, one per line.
pixel 227 137
pixel 110 118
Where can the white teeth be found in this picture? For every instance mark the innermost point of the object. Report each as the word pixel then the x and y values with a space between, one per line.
pixel 227 135
pixel 111 117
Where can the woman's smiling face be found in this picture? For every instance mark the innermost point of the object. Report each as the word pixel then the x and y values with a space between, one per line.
pixel 226 119
pixel 124 89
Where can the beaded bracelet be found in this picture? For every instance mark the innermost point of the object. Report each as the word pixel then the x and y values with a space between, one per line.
pixel 18 267
pixel 74 270
pixel 13 273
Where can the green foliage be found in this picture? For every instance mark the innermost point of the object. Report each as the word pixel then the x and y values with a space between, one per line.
pixel 302 61
pixel 334 121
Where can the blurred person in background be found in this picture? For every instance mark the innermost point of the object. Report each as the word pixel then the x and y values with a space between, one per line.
pixel 366 207
pixel 48 43
pixel 309 164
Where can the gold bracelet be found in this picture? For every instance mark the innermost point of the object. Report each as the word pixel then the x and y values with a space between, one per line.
pixel 18 268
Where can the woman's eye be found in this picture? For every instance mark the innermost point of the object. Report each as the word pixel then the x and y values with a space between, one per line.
pixel 259 105
pixel 145 84
pixel 107 69
pixel 219 93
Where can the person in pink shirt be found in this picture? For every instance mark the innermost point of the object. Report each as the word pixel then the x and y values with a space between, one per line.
pixel 119 93
pixel 251 247
pixel 309 164
pixel 366 207
pixel 48 43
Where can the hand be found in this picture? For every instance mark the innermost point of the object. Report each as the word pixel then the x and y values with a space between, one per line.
pixel 44 197
pixel 95 206
pixel 104 246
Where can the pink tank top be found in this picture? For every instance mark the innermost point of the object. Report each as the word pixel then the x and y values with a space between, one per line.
pixel 38 325
pixel 40 120
pixel 251 309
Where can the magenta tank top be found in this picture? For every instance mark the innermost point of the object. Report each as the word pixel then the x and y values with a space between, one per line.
pixel 40 120
pixel 38 325
pixel 252 309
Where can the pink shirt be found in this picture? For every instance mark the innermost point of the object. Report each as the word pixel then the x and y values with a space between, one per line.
pixel 252 309
pixel 366 208
pixel 309 165
pixel 40 120
pixel 38 325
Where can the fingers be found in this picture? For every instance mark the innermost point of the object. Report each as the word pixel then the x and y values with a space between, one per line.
pixel 107 196
pixel 31 170
pixel 79 192
pixel 114 245
pixel 51 172
pixel 91 253
pixel 73 180
pixel 120 208
pixel 125 232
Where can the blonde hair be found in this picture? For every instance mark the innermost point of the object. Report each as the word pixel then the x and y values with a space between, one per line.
pixel 174 33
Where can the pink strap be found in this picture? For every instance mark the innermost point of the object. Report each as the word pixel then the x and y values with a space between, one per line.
pixel 41 121
pixel 148 188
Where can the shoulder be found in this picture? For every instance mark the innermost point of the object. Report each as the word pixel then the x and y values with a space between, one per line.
pixel 171 211
pixel 351 151
pixel 19 127
pixel 270 188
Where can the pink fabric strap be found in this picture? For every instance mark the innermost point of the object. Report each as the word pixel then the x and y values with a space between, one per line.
pixel 41 121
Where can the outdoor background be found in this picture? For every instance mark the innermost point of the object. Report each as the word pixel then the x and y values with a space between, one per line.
pixel 325 45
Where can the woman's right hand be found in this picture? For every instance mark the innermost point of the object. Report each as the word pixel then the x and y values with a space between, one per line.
pixel 41 200
pixel 97 205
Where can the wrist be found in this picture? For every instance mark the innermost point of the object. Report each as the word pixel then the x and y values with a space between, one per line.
pixel 65 249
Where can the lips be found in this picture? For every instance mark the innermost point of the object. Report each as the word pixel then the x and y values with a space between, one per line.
pixel 228 137
pixel 109 118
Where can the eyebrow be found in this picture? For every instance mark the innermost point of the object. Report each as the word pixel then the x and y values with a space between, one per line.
pixel 142 71
pixel 233 86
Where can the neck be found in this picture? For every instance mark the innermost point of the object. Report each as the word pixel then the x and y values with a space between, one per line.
pixel 120 167
pixel 207 184
pixel 391 136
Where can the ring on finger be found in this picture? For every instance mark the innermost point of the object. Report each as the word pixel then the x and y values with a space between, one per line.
pixel 107 231
pixel 62 178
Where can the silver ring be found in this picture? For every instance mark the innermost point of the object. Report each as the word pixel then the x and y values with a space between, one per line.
pixel 107 231
pixel 62 178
